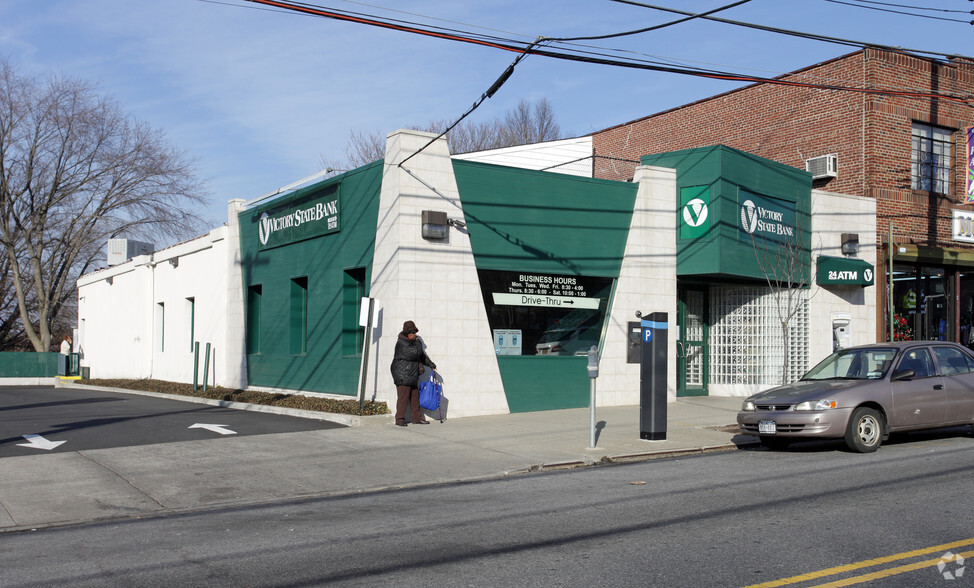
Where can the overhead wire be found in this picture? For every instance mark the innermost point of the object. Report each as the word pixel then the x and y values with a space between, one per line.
pixel 601 59
pixel 488 94
pixel 510 69
pixel 812 36
pixel 954 10
pixel 906 13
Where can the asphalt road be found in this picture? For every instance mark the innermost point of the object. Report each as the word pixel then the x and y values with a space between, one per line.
pixel 805 517
pixel 91 419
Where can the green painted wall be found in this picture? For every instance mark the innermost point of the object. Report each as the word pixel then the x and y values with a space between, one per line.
pixel 28 365
pixel 326 261
pixel 523 220
pixel 726 178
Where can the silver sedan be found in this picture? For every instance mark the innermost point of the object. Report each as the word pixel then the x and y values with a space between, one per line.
pixel 862 394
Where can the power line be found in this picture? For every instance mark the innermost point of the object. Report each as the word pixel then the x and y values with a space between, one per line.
pixel 510 69
pixel 594 58
pixel 912 7
pixel 812 36
pixel 655 27
pixel 902 12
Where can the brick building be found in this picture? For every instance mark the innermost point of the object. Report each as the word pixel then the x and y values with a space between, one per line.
pixel 902 147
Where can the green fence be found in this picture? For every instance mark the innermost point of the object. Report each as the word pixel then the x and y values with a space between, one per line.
pixel 28 365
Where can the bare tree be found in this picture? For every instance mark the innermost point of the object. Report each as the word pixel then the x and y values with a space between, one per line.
pixel 522 125
pixel 74 172
pixel 525 125
pixel 785 261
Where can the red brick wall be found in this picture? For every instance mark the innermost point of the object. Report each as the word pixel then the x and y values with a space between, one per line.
pixel 869 133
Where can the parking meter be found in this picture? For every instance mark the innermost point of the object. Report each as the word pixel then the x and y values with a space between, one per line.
pixel 593 362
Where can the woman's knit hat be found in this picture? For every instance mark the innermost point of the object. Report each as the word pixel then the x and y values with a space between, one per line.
pixel 409 327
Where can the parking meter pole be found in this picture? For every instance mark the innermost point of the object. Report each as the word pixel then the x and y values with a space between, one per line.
pixel 652 377
pixel 593 373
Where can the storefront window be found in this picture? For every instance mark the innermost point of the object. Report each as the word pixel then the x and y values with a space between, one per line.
pixel 935 318
pixel 904 302
pixel 921 303
pixel 544 314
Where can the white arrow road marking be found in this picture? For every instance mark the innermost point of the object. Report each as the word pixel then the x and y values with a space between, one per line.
pixel 39 442
pixel 215 428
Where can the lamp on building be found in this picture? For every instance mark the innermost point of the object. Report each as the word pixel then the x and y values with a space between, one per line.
pixel 850 243
pixel 435 225
pixel 174 261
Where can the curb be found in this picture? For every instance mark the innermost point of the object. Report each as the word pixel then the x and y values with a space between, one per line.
pixel 349 420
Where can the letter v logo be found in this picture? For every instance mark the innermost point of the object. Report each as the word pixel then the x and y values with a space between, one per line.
pixel 695 212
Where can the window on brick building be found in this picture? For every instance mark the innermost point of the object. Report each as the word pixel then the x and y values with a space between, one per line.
pixel 931 158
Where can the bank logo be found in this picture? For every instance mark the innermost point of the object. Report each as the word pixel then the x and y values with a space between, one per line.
pixel 951 566
pixel 749 216
pixel 264 229
pixel 867 274
pixel 695 212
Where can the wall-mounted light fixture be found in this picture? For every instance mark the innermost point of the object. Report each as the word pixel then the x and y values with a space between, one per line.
pixel 850 243
pixel 109 280
pixel 174 261
pixel 435 225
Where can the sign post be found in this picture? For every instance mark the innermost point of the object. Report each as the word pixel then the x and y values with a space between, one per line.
pixel 370 304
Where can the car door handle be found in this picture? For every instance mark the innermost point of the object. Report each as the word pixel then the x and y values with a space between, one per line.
pixel 938 387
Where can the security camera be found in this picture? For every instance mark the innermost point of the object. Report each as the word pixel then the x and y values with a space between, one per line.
pixel 639 314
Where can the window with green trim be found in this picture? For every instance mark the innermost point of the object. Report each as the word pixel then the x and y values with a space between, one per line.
pixel 353 290
pixel 191 308
pixel 254 295
pixel 161 324
pixel 299 316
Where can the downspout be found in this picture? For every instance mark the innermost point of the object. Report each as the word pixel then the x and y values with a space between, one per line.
pixel 152 313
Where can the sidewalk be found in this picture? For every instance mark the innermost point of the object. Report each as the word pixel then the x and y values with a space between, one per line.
pixel 128 482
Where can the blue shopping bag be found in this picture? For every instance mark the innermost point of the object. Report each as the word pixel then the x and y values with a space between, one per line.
pixel 429 393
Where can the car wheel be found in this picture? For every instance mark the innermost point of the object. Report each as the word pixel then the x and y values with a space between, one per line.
pixel 775 442
pixel 865 431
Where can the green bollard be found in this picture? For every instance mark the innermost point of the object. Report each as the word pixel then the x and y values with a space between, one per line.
pixel 206 367
pixel 196 364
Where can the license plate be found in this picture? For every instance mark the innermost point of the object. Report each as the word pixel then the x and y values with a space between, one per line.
pixel 767 428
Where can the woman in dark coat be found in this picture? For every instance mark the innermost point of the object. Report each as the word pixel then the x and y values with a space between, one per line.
pixel 407 365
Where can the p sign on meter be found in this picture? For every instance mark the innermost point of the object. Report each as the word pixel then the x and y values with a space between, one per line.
pixel 647 335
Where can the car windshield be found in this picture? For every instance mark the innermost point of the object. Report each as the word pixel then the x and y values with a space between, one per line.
pixel 854 364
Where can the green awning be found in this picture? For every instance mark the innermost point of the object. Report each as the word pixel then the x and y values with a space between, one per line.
pixel 845 271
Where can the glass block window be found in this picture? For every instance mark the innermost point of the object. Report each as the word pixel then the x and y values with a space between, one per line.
pixel 930 166
pixel 746 343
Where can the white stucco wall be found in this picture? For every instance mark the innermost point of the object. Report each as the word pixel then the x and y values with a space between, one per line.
pixel 122 332
pixel 647 283
pixel 434 284
pixel 832 215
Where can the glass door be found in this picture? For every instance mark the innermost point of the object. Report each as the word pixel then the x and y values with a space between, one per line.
pixel 691 346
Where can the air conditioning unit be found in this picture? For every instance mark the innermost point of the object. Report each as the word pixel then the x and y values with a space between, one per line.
pixel 824 166
pixel 122 250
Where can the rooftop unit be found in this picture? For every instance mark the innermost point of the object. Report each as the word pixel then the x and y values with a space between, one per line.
pixel 122 250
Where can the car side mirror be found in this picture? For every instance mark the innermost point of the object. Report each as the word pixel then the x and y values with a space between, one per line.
pixel 903 375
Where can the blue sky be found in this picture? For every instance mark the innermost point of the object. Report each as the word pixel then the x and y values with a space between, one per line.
pixel 259 98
